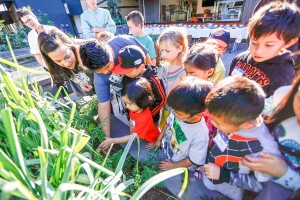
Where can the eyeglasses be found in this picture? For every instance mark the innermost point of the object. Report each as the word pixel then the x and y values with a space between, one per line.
pixel 28 21
pixel 177 114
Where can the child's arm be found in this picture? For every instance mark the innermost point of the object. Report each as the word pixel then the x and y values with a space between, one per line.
pixel 108 141
pixel 156 144
pixel 168 164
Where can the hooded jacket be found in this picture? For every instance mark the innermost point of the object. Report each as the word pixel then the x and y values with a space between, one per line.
pixel 157 88
pixel 270 74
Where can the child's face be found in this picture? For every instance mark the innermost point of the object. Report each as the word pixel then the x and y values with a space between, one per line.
pixel 224 126
pixel 134 29
pixel 266 47
pixel 296 104
pixel 135 72
pixel 169 52
pixel 130 105
pixel 182 116
pixel 106 69
pixel 199 73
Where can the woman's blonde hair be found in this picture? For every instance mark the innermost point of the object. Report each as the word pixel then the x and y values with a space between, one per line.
pixel 178 37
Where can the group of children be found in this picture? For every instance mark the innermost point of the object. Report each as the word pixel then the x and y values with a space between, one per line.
pixel 209 123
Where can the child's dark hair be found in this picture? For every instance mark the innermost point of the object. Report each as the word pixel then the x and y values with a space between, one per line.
pixel 236 99
pixel 276 17
pixel 139 92
pixel 189 95
pixel 285 109
pixel 94 54
pixel 21 12
pixel 136 17
pixel 203 56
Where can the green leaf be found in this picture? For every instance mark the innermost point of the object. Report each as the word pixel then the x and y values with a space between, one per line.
pixel 159 178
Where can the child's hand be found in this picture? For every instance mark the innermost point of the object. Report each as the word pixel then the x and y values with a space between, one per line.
pixel 266 163
pixel 105 144
pixel 154 145
pixel 166 165
pixel 212 171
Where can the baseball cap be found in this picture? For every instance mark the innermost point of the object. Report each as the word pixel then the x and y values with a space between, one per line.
pixel 221 35
pixel 129 58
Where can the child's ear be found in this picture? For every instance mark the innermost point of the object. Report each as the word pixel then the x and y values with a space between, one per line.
pixel 180 48
pixel 210 72
pixel 291 42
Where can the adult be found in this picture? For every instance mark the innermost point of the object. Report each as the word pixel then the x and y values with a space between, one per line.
pixel 27 17
pixel 61 55
pixel 96 20
pixel 102 58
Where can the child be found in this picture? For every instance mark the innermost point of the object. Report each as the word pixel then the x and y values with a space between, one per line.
pixel 285 170
pixel 132 65
pixel 221 38
pixel 201 61
pixel 138 97
pixel 185 133
pixel 135 22
pixel 173 45
pixel 234 106
pixel 105 36
pixel 273 29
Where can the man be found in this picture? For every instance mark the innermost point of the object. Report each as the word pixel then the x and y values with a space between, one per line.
pixel 96 20
pixel 29 19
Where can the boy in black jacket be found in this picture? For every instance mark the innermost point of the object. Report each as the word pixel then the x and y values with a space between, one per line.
pixel 272 29
pixel 132 65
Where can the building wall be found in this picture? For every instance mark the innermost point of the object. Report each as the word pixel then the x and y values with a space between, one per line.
pixel 55 10
pixel 248 8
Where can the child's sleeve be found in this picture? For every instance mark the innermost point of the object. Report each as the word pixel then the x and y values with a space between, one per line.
pixel 198 150
pixel 290 179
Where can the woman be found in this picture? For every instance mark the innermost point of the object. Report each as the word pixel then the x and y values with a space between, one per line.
pixel 61 55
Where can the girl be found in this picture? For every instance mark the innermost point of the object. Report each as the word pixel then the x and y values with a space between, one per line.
pixel 285 123
pixel 201 61
pixel 173 46
pixel 138 97
pixel 61 55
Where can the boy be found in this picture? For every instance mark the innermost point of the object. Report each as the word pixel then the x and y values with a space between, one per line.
pixel 135 22
pixel 221 38
pixel 132 65
pixel 234 106
pixel 185 134
pixel 272 29
pixel 29 19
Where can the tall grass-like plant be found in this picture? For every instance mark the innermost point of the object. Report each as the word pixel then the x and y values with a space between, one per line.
pixel 41 152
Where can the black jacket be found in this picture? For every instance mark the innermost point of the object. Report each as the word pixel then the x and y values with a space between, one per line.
pixel 158 90
pixel 270 74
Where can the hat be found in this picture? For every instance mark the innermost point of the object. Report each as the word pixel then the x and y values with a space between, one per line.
pixel 129 57
pixel 221 35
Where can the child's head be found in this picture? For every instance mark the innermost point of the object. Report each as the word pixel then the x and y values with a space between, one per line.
pixel 187 98
pixel 201 60
pixel 131 61
pixel 138 95
pixel 273 28
pixel 95 55
pixel 135 22
pixel 235 103
pixel 173 45
pixel 105 36
pixel 219 37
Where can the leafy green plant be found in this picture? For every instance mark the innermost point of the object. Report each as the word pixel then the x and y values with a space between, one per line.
pixel 114 9
pixel 42 155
